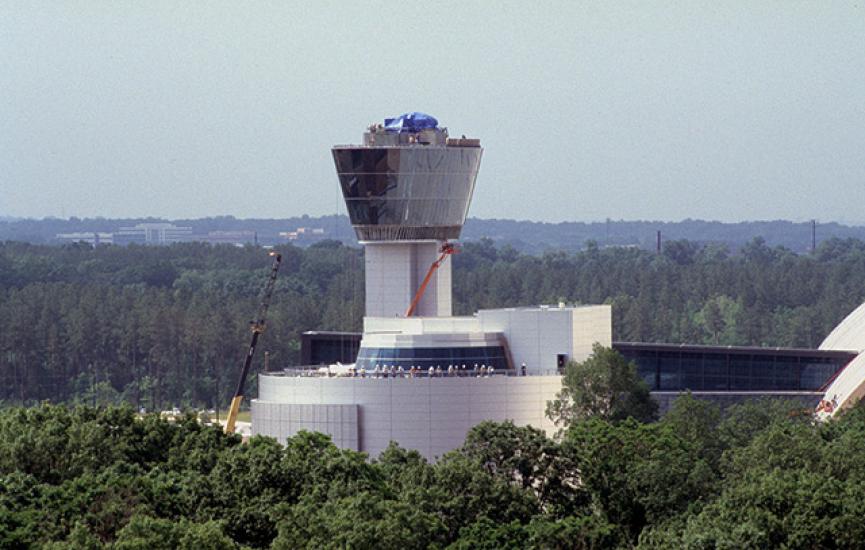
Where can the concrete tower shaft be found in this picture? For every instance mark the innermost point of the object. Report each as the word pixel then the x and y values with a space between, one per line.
pixel 395 271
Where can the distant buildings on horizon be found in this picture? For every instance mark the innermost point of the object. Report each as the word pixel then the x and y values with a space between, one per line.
pixel 161 234
pixel 524 236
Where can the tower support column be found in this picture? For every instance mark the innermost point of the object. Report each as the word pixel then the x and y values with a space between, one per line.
pixel 394 272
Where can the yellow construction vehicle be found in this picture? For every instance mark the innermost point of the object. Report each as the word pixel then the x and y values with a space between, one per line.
pixel 257 326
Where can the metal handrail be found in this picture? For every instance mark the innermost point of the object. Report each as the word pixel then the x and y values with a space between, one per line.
pixel 314 371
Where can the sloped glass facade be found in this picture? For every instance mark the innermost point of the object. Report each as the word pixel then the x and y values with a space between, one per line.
pixel 407 192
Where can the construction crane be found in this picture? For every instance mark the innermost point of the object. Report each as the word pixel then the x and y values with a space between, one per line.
pixel 257 326
pixel 446 250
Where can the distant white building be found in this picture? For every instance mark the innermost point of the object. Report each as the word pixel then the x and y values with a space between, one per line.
pixel 152 233
pixel 303 233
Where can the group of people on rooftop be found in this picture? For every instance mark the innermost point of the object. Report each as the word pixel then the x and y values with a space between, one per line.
pixel 398 371
pixel 385 371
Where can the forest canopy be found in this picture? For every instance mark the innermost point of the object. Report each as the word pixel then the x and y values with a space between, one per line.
pixel 763 475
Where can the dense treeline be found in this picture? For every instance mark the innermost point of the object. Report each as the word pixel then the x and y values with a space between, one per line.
pixel 537 237
pixel 158 326
pixel 758 296
pixel 163 326
pixel 759 477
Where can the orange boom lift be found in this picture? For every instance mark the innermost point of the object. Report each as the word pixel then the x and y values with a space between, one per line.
pixel 446 250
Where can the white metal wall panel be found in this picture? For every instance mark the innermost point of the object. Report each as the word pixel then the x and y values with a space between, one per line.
pixel 283 420
pixel 591 324
pixel 431 415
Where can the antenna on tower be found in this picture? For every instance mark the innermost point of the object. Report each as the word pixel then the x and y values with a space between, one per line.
pixel 813 236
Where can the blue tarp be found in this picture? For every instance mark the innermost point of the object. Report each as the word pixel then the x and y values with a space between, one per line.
pixel 410 122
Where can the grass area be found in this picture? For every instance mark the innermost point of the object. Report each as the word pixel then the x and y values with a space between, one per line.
pixel 242 416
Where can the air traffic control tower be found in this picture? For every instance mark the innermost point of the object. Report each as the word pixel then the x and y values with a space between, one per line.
pixel 407 189
pixel 422 377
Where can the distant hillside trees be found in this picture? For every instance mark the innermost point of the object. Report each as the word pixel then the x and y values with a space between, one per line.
pixel 760 295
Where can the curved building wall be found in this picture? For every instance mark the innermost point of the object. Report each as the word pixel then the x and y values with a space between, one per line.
pixel 849 386
pixel 849 334
pixel 407 192
pixel 432 415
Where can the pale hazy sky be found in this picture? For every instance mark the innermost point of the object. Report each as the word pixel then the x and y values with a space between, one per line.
pixel 637 110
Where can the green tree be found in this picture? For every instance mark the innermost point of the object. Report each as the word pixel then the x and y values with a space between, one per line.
pixel 589 532
pixel 525 457
pixel 638 474
pixel 462 490
pixel 696 421
pixel 745 421
pixel 486 534
pixel 149 533
pixel 362 520
pixel 605 386
pixel 79 539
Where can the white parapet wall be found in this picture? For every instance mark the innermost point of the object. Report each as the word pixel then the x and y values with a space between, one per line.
pixel 420 325
pixel 431 415
pixel 538 335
